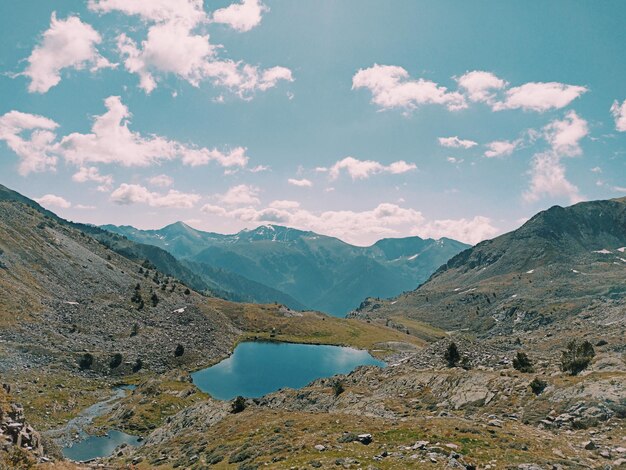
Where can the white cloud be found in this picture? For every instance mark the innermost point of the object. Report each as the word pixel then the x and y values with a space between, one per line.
pixel 540 97
pixel 302 183
pixel 67 44
pixel 51 200
pixel 133 193
pixel 259 169
pixel 241 16
pixel 391 87
pixel 189 11
pixel 283 204
pixel 548 179
pixel 162 181
pixel 363 169
pixel 481 86
pixel 240 195
pixel 619 114
pixel 501 148
pixel 454 160
pixel 470 231
pixel 172 45
pixel 564 136
pixel 360 227
pixel 547 170
pixel 109 142
pixel 92 173
pixel 455 142
pixel 35 151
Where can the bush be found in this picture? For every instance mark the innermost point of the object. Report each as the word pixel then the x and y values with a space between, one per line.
pixel 138 365
pixel 522 363
pixel 238 405
pixel 134 331
pixel 179 351
pixel 187 292
pixel 154 299
pixel 115 361
pixel 452 355
pixel 338 388
pixel 538 385
pixel 85 362
pixel 577 356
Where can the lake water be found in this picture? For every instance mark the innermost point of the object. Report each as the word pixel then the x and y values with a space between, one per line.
pixel 258 368
pixel 98 446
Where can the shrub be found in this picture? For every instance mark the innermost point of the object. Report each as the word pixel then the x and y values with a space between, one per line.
pixel 538 385
pixel 179 351
pixel 452 355
pixel 138 365
pixel 116 361
pixel 522 363
pixel 466 363
pixel 85 362
pixel 141 305
pixel 602 342
pixel 154 299
pixel 187 292
pixel 134 331
pixel 577 356
pixel 238 405
pixel 338 388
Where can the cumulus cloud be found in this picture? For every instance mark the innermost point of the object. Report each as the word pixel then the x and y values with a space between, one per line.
pixel 109 142
pixel 619 114
pixel 548 176
pixel 174 46
pixel 92 173
pixel 363 169
pixel 162 181
pixel 133 193
pixel 51 200
pixel 481 86
pixel 242 16
pixel 360 227
pixel 540 97
pixel 455 142
pixel 31 137
pixel 240 195
pixel 471 231
pixel 392 87
pixel 67 44
pixel 501 148
pixel 189 11
pixel 302 183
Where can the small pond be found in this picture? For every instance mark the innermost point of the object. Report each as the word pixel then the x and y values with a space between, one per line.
pixel 258 368
pixel 98 446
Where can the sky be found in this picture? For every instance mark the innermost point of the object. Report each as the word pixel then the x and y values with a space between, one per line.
pixel 356 118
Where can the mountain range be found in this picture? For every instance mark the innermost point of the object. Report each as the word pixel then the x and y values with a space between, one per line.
pixel 301 269
pixel 561 262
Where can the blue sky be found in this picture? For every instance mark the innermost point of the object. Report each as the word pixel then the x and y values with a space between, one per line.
pixel 335 116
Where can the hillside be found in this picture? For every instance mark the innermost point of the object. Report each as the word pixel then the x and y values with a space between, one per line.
pixel 559 262
pixel 310 270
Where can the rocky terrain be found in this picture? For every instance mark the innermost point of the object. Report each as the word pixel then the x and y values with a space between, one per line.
pixel 84 312
pixel 558 263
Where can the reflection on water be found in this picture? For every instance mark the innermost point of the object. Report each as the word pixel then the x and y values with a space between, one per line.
pixel 256 369
pixel 98 446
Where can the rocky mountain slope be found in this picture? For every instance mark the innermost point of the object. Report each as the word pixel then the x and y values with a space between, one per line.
pixel 312 270
pixel 558 263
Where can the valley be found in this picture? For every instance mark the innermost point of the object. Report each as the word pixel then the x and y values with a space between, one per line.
pixel 66 348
